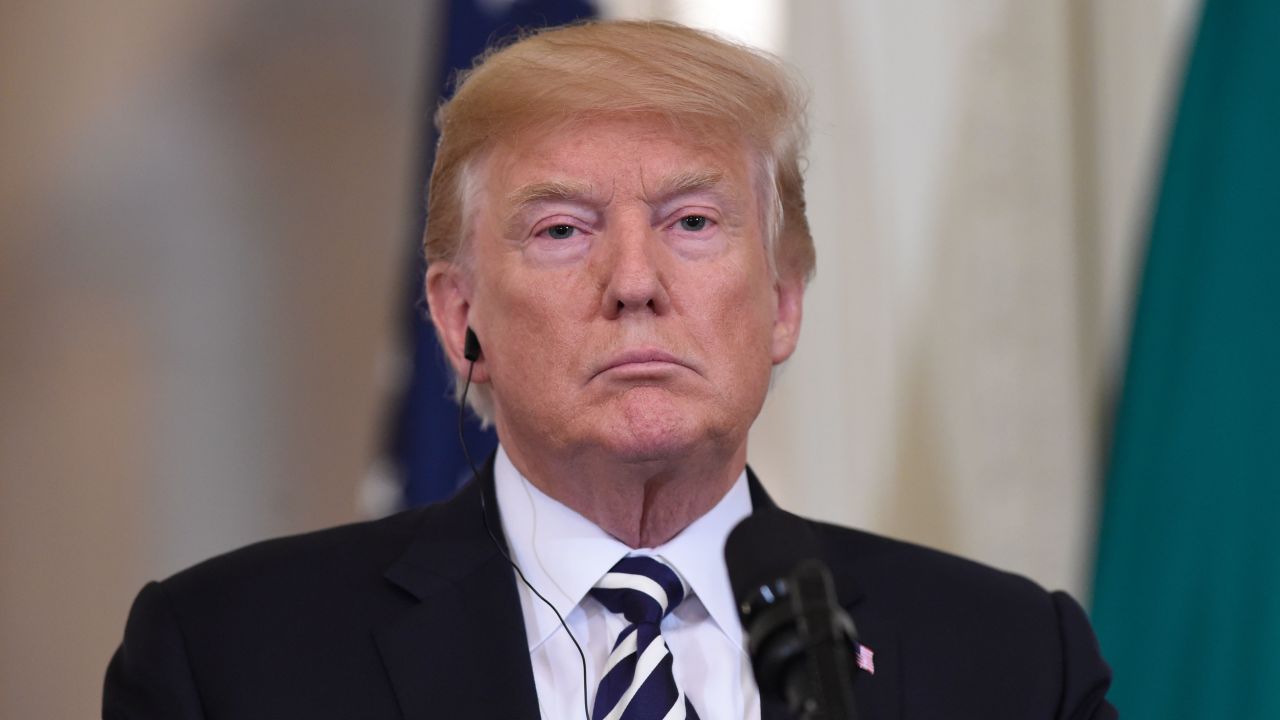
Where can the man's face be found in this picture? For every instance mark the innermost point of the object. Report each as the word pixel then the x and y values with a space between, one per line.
pixel 622 294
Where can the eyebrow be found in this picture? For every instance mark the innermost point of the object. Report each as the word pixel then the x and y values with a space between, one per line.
pixel 683 183
pixel 679 184
pixel 534 193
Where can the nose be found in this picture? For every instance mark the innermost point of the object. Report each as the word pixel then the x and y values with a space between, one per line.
pixel 634 280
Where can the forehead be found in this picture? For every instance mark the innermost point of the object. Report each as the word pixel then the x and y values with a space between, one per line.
pixel 607 155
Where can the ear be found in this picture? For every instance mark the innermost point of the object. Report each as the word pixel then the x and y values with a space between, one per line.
pixel 786 323
pixel 448 290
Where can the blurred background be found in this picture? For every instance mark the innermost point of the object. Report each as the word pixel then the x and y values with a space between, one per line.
pixel 209 217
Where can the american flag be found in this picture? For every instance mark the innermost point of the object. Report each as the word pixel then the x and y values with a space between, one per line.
pixel 866 659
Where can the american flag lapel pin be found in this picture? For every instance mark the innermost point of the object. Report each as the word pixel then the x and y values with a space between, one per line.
pixel 866 659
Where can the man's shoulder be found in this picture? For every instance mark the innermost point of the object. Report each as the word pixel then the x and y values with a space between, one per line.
pixel 338 545
pixel 327 561
pixel 292 621
pixel 914 568
pixel 925 587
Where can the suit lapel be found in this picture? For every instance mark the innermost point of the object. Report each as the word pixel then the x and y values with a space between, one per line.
pixel 878 695
pixel 461 649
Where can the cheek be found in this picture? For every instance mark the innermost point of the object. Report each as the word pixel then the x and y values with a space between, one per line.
pixel 561 302
pixel 540 320
pixel 739 324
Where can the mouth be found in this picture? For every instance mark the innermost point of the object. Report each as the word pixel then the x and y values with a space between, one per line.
pixel 646 362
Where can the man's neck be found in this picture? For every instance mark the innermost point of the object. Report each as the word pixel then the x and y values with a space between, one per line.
pixel 643 504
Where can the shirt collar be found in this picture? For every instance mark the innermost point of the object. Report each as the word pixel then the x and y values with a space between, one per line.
pixel 563 554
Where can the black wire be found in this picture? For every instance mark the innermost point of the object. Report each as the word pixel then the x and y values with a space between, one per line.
pixel 484 515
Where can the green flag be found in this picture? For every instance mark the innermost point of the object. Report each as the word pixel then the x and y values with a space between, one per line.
pixel 1187 595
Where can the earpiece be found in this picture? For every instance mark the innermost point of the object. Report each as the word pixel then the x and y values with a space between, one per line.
pixel 471 347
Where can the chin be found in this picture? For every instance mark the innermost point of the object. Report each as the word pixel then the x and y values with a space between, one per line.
pixel 649 448
pixel 649 429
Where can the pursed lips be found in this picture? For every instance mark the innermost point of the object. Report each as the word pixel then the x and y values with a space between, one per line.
pixel 641 359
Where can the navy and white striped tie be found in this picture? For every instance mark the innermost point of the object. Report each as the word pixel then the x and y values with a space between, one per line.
pixel 637 683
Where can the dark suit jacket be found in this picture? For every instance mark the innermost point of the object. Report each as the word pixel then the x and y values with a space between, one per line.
pixel 416 616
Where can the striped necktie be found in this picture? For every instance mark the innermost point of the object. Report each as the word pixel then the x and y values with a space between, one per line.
pixel 637 683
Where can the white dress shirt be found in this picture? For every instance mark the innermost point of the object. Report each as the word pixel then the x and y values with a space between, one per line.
pixel 563 554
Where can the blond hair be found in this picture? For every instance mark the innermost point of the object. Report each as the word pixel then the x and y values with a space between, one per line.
pixel 703 86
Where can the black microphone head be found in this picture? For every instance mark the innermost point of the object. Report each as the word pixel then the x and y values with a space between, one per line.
pixel 766 546
pixel 798 637
pixel 471 346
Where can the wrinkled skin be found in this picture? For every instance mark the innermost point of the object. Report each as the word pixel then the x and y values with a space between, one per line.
pixel 618 280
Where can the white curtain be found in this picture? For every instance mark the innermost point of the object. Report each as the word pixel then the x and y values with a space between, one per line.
pixel 978 187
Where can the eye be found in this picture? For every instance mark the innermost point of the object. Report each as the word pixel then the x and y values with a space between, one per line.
pixel 693 223
pixel 561 232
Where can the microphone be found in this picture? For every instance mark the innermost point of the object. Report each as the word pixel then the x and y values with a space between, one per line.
pixel 800 640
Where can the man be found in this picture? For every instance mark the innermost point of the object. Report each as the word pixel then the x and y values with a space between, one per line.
pixel 617 257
